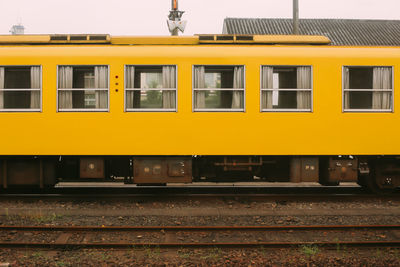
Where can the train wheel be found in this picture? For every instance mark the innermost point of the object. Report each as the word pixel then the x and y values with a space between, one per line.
pixel 383 181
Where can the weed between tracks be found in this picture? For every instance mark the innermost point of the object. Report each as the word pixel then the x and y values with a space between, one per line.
pixel 184 253
pixel 37 254
pixel 152 253
pixel 47 218
pixel 214 254
pixel 36 218
pixel 309 250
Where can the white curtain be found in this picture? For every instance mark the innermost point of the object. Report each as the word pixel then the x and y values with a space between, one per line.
pixel 151 80
pixel 101 81
pixel 199 82
pixel 65 76
pixel 238 83
pixel 169 81
pixel 303 82
pixel 382 79
pixel 130 83
pixel 1 87
pixel 267 74
pixel 35 84
pixel 346 85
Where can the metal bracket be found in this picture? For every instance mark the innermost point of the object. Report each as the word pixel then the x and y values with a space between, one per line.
pixel 175 14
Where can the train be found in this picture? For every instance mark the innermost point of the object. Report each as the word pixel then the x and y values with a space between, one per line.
pixel 161 110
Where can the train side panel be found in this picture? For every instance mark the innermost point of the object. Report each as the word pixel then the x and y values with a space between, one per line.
pixel 324 131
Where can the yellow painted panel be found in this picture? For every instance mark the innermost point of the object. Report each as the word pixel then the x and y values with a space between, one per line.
pixel 292 39
pixel 25 39
pixel 327 130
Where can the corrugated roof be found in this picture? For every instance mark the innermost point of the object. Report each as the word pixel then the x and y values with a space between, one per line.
pixel 339 31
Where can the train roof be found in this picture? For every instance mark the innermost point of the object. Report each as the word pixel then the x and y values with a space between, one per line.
pixel 105 39
pixel 268 31
pixel 341 32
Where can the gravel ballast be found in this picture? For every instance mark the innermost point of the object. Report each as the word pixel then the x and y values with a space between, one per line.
pixel 201 211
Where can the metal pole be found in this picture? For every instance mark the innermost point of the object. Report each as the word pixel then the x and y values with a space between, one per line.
pixel 174 7
pixel 174 4
pixel 174 23
pixel 296 17
pixel 174 32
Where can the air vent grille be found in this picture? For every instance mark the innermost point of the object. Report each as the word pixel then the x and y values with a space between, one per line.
pixel 225 38
pixel 58 37
pixel 206 37
pixel 244 38
pixel 98 37
pixel 78 38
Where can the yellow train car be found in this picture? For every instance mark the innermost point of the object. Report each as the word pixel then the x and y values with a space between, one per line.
pixel 178 109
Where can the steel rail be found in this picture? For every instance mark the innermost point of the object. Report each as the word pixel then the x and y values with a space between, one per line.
pixel 159 193
pixel 327 244
pixel 271 195
pixel 98 190
pixel 194 228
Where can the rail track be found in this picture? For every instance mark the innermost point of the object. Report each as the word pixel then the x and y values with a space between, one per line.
pixel 116 195
pixel 176 191
pixel 123 237
pixel 209 188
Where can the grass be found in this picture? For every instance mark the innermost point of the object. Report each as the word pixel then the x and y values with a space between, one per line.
pixel 215 253
pixel 37 255
pixel 378 253
pixel 35 218
pixel 184 254
pixel 47 218
pixel 263 251
pixel 337 244
pixel 309 250
pixel 152 253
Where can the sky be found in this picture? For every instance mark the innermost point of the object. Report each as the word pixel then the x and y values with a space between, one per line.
pixel 148 17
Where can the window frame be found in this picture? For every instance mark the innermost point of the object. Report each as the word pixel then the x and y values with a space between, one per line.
pixel 243 110
pixel 368 90
pixel 151 89
pixel 84 89
pixel 37 110
pixel 310 110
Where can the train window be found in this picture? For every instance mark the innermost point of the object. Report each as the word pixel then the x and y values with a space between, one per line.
pixel 367 89
pixel 286 88
pixel 83 88
pixel 150 88
pixel 20 88
pixel 218 88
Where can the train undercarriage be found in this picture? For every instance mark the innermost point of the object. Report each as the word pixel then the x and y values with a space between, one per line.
pixel 380 174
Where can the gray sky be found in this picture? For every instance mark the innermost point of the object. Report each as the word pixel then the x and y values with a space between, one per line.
pixel 148 17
